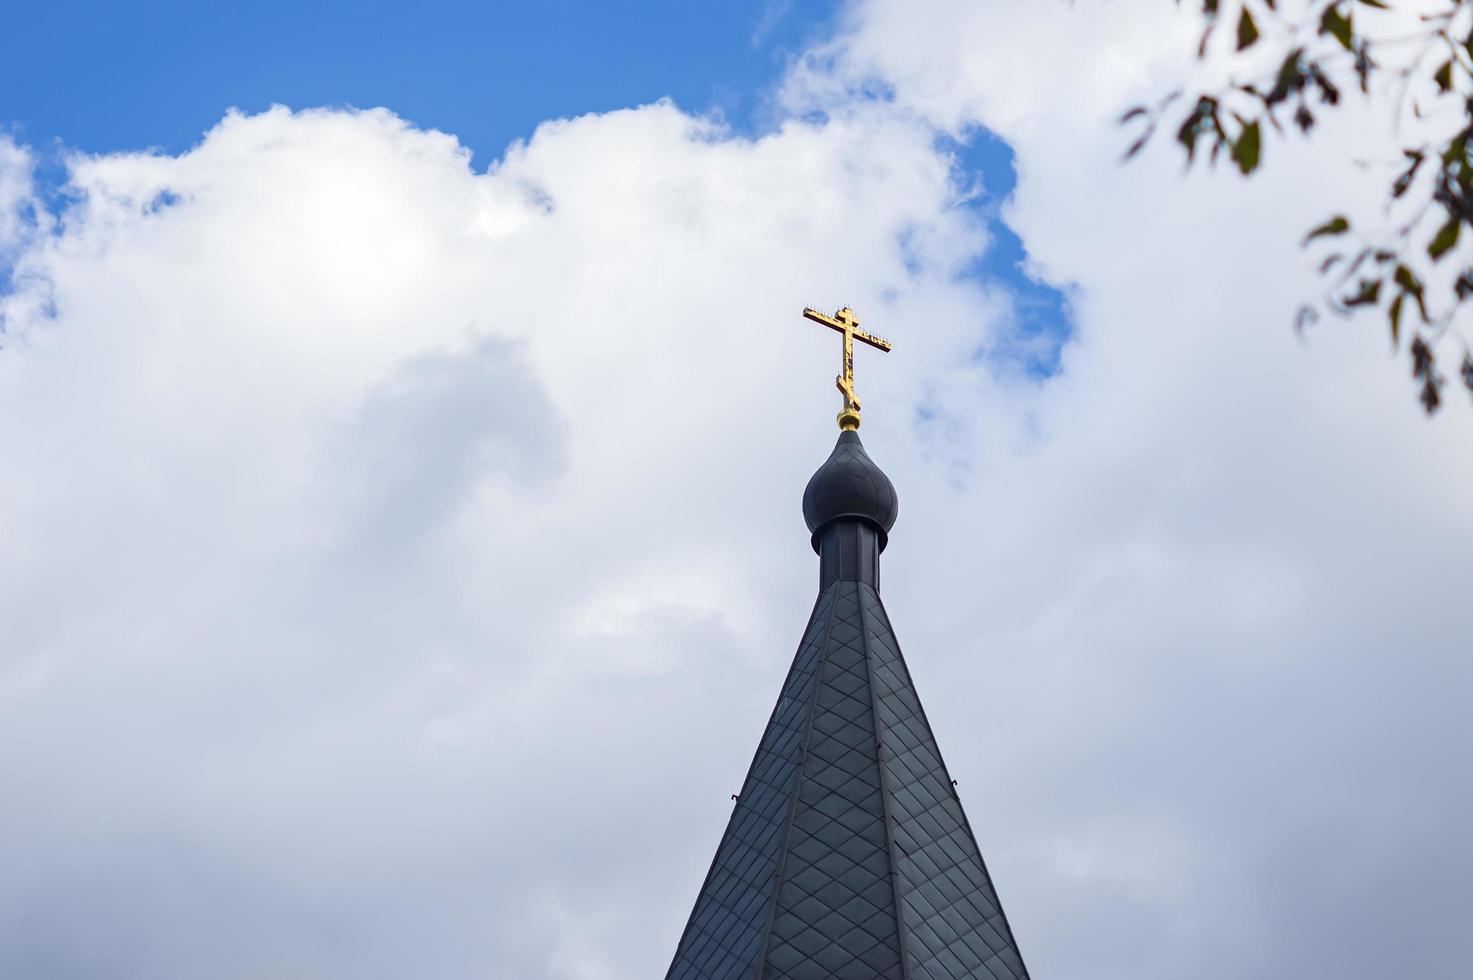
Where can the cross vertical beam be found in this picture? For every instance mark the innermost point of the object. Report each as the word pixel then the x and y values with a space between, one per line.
pixel 847 323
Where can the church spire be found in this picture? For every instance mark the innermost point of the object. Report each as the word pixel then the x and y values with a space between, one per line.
pixel 848 856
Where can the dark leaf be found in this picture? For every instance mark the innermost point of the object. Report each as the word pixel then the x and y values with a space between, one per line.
pixel 1431 397
pixel 1337 24
pixel 1444 76
pixel 1187 137
pixel 1457 149
pixel 1130 114
pixel 1303 118
pixel 1367 295
pixel 1409 283
pixel 1196 121
pixel 1423 360
pixel 1463 288
pixel 1337 225
pixel 1138 144
pixel 1467 371
pixel 1329 92
pixel 1246 149
pixel 1247 30
pixel 1329 262
pixel 1290 77
pixel 1424 369
pixel 1394 315
pixel 1400 185
pixel 1446 238
pixel 1375 3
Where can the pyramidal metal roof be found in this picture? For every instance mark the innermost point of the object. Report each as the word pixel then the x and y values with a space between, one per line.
pixel 848 856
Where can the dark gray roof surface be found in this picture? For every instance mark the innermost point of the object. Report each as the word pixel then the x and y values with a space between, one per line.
pixel 848 856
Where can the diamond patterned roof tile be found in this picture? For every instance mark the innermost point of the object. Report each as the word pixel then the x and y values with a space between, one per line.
pixel 848 855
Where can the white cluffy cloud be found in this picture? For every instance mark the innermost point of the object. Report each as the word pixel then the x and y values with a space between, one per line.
pixel 402 559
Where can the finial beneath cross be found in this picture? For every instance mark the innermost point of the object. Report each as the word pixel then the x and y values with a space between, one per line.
pixel 847 324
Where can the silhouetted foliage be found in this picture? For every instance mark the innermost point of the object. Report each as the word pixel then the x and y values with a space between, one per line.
pixel 1305 62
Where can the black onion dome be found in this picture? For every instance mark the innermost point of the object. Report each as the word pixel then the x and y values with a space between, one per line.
pixel 849 484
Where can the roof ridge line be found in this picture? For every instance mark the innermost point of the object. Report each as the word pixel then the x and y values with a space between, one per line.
pixel 880 757
pixel 798 770
pixel 752 767
pixel 946 774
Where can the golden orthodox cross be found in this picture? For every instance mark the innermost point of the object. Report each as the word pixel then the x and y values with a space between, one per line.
pixel 847 324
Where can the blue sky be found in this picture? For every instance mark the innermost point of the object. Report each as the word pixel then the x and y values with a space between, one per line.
pixel 159 74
